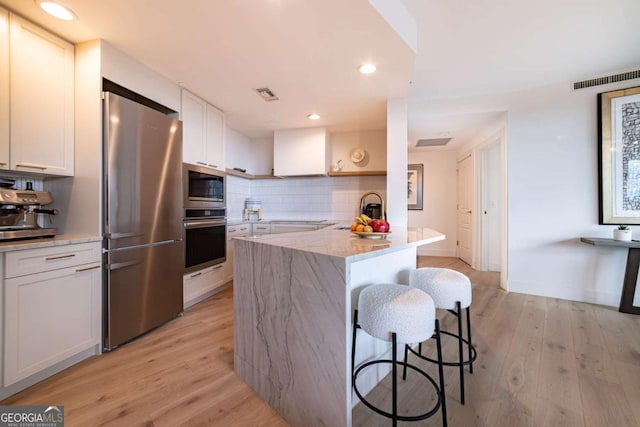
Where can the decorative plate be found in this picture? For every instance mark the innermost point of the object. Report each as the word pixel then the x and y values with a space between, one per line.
pixel 356 155
pixel 371 234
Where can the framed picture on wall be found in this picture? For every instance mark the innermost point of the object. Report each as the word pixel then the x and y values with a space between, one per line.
pixel 619 156
pixel 414 187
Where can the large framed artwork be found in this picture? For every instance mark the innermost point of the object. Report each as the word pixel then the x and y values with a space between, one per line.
pixel 619 156
pixel 414 187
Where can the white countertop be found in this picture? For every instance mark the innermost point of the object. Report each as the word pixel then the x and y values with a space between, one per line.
pixel 63 239
pixel 344 244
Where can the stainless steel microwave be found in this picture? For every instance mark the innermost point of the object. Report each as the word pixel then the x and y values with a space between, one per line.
pixel 203 187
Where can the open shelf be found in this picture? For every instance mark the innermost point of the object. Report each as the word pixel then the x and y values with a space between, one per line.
pixel 358 173
pixel 249 175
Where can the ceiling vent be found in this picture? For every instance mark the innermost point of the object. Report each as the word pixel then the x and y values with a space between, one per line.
pixel 432 142
pixel 266 94
pixel 614 78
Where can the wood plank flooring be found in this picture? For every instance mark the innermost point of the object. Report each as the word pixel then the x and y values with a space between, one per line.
pixel 541 362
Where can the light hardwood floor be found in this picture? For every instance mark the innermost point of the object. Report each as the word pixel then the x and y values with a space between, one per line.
pixel 541 362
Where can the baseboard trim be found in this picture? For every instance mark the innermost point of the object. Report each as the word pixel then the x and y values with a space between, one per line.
pixel 426 251
pixel 556 290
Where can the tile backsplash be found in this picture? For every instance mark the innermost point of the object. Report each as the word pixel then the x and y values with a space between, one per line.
pixel 314 198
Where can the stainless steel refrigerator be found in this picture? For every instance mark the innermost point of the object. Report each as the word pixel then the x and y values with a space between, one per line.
pixel 143 247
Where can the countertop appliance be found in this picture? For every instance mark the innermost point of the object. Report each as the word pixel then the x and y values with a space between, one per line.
pixel 252 209
pixel 373 210
pixel 143 247
pixel 19 211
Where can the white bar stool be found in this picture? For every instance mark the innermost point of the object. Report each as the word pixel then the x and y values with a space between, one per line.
pixel 451 291
pixel 398 313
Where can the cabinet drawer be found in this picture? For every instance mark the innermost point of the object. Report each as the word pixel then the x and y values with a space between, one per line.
pixel 238 231
pixel 203 281
pixel 30 261
pixel 261 228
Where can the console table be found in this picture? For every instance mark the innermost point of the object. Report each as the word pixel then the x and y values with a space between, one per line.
pixel 631 272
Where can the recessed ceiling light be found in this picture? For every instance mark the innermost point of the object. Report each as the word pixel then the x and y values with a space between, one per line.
pixel 57 10
pixel 367 68
pixel 313 116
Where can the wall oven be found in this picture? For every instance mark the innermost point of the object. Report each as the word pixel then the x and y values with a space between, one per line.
pixel 205 237
pixel 203 187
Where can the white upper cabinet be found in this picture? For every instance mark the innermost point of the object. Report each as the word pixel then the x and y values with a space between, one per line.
pixel 4 89
pixel 42 100
pixel 202 132
pixel 299 152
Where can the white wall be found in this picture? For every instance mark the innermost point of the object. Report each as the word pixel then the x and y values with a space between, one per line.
pixel 553 197
pixel 373 142
pixel 438 199
pixel 397 162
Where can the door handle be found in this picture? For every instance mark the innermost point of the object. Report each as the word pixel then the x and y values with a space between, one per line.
pixel 51 258
pixel 119 265
pixel 79 270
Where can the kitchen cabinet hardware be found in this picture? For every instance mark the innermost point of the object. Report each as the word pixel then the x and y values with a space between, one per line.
pixel 213 166
pixel 51 258
pixel 231 231
pixel 80 270
pixel 3 163
pixel 202 163
pixel 218 266
pixel 30 166
pixel 197 274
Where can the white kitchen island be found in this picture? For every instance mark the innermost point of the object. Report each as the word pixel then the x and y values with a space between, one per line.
pixel 294 296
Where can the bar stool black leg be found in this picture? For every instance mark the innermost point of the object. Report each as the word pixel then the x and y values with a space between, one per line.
pixel 353 345
pixel 404 368
pixel 394 380
pixel 441 373
pixel 459 314
pixel 469 339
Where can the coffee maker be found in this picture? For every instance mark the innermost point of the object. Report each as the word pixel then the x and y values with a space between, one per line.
pixel 252 209
pixel 19 211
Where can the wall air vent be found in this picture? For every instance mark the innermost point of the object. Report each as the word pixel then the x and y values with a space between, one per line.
pixel 432 142
pixel 614 78
pixel 266 94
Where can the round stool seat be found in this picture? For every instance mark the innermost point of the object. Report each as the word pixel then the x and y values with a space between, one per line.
pixel 445 286
pixel 388 308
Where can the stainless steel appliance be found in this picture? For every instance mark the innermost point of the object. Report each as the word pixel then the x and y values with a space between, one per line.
pixel 19 211
pixel 203 187
pixel 205 236
pixel 142 219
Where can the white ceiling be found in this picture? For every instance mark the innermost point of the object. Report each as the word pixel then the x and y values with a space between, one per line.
pixel 306 52
pixel 470 53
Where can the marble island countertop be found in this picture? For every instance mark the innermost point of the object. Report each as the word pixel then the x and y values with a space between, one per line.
pixel 283 221
pixel 344 244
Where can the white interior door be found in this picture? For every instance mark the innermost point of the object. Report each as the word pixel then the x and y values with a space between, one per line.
pixel 464 212
pixel 491 202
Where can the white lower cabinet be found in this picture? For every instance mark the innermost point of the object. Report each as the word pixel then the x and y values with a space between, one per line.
pixel 234 231
pixel 261 228
pixel 51 315
pixel 200 284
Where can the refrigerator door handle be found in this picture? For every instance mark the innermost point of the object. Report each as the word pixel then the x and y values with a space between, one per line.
pixel 146 245
pixel 121 235
pixel 119 265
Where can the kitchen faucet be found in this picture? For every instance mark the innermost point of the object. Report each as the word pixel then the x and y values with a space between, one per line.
pixel 383 213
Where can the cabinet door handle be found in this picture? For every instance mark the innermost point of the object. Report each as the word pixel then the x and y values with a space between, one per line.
pixel 31 166
pixel 202 163
pixel 195 275
pixel 51 258
pixel 78 270
pixel 213 166
pixel 231 231
pixel 3 164
pixel 217 266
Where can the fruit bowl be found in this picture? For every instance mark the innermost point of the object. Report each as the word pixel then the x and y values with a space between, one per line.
pixel 371 234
